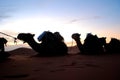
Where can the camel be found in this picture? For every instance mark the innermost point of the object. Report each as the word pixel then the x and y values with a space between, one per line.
pixel 3 54
pixel 92 44
pixel 2 42
pixel 113 46
pixel 49 44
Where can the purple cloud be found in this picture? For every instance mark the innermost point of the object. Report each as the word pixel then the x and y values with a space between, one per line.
pixel 85 18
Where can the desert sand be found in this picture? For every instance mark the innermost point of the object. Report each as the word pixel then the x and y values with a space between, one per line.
pixel 23 65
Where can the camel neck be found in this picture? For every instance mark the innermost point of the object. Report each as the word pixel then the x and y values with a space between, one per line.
pixel 79 44
pixel 33 44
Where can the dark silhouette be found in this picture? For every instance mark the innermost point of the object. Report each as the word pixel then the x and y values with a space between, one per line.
pixel 58 36
pixel 3 41
pixel 92 44
pixel 3 54
pixel 52 44
pixel 113 46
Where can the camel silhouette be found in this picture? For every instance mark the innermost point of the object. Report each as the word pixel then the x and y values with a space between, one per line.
pixel 92 44
pixel 3 54
pixel 3 41
pixel 113 46
pixel 50 44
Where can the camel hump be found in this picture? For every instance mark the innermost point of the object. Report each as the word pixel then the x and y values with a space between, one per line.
pixel 48 36
pixel 58 36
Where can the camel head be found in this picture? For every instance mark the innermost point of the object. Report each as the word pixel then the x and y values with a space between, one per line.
pixel 25 36
pixel 3 40
pixel 76 36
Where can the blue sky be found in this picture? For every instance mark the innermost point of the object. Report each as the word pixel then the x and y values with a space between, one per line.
pixel 100 17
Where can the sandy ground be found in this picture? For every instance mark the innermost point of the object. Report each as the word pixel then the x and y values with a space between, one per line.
pixel 21 65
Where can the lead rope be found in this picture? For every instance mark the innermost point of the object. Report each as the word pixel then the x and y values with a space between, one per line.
pixel 70 50
pixel 15 39
pixel 72 43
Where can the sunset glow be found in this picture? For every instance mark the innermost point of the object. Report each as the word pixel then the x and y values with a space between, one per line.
pixel 101 17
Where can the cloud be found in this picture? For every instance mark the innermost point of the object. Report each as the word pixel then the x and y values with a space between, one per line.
pixel 85 18
pixel 5 12
pixel 4 16
pixel 74 20
pixel 97 17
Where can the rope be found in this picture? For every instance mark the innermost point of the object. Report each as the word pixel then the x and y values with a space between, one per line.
pixel 72 43
pixel 15 39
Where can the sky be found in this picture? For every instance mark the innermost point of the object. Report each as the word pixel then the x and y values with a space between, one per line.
pixel 101 17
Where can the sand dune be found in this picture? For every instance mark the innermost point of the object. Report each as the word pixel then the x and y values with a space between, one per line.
pixel 23 51
pixel 22 66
